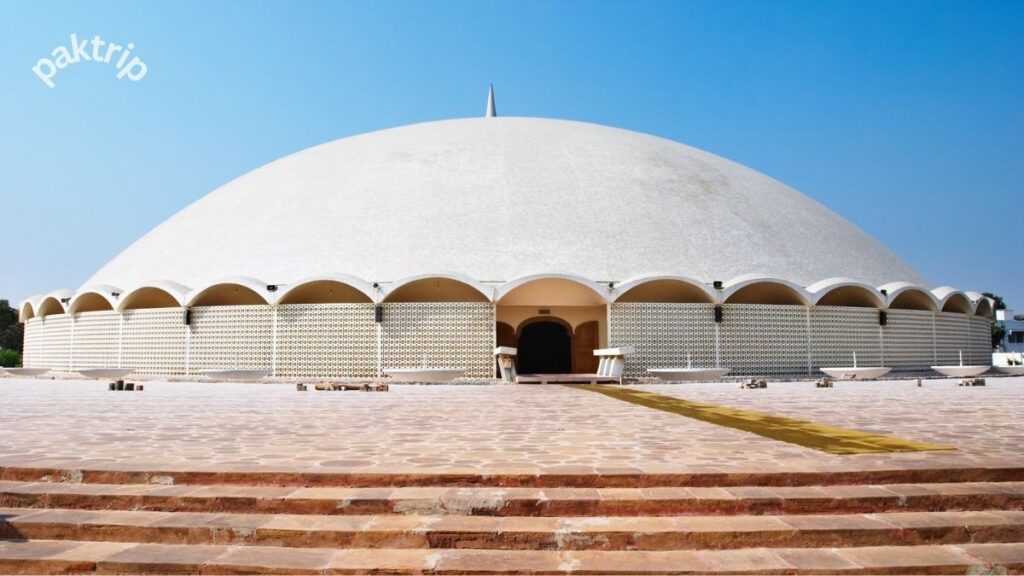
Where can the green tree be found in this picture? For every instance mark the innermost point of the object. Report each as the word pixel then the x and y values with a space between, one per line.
pixel 999 304
pixel 998 330
pixel 11 332
pixel 9 358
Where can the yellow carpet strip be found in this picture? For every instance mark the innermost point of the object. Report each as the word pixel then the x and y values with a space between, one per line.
pixel 801 432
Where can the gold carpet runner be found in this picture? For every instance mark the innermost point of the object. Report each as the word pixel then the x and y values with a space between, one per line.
pixel 801 432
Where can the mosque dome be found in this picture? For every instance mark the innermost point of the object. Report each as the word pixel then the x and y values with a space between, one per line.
pixel 496 199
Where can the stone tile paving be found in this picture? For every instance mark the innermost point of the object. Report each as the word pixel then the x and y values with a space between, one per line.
pixel 501 428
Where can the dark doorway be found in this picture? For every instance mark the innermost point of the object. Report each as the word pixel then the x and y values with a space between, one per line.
pixel 545 348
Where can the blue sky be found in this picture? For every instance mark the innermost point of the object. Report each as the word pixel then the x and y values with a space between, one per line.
pixel 905 117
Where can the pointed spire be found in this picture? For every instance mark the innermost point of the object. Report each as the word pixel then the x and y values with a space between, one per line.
pixel 491 110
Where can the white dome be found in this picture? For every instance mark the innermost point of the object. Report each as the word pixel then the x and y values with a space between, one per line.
pixel 499 198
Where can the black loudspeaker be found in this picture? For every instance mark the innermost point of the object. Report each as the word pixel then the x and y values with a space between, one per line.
pixel 378 314
pixel 883 317
pixel 717 284
pixel 718 314
pixel 186 318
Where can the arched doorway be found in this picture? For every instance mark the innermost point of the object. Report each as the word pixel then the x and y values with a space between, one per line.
pixel 545 347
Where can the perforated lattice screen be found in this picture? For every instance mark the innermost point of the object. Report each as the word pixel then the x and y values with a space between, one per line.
pixel 663 334
pixel 230 337
pixel 341 339
pixel 440 335
pixel 908 340
pixel 981 340
pixel 31 344
pixel 952 336
pixel 153 341
pixel 764 339
pixel 837 332
pixel 326 340
pixel 53 343
pixel 96 340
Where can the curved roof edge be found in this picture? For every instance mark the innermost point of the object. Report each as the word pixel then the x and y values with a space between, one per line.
pixel 821 288
pixel 944 294
pixel 634 281
pixel 506 288
pixel 178 292
pixel 740 282
pixel 104 291
pixel 484 290
pixel 494 292
pixel 260 288
pixel 362 286
pixel 895 289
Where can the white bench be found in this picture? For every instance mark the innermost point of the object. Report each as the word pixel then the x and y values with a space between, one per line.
pixel 612 361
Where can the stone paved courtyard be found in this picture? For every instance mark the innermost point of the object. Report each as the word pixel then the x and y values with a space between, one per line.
pixel 521 429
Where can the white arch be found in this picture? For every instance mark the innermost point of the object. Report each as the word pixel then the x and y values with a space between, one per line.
pixel 985 307
pixel 176 291
pixel 104 291
pixel 946 295
pixel 32 304
pixel 260 288
pixel 974 296
pixel 60 297
pixel 486 291
pixel 822 288
pixel 600 291
pixel 896 289
pixel 354 282
pixel 730 288
pixel 633 282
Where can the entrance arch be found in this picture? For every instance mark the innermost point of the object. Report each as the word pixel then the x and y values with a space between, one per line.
pixel 545 346
pixel 578 305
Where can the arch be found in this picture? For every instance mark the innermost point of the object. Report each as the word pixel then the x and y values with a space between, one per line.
pixel 757 289
pixel 845 292
pixel 238 291
pixel 953 300
pixel 327 290
pixel 438 288
pixel 94 299
pixel 674 289
pixel 907 296
pixel 983 307
pixel 551 290
pixel 156 294
pixel 27 311
pixel 89 302
pixel 50 305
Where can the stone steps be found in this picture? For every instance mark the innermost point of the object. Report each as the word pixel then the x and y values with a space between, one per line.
pixel 495 501
pixel 880 521
pixel 516 532
pixel 48 557
pixel 564 477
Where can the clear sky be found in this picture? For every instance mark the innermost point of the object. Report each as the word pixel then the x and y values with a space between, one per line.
pixel 905 117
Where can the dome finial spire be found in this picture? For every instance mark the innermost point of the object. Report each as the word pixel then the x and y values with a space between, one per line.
pixel 491 110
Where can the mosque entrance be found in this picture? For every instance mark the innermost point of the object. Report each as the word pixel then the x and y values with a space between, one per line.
pixel 545 347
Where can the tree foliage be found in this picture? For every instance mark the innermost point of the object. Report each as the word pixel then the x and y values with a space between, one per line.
pixel 999 304
pixel 998 330
pixel 11 332
pixel 9 358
